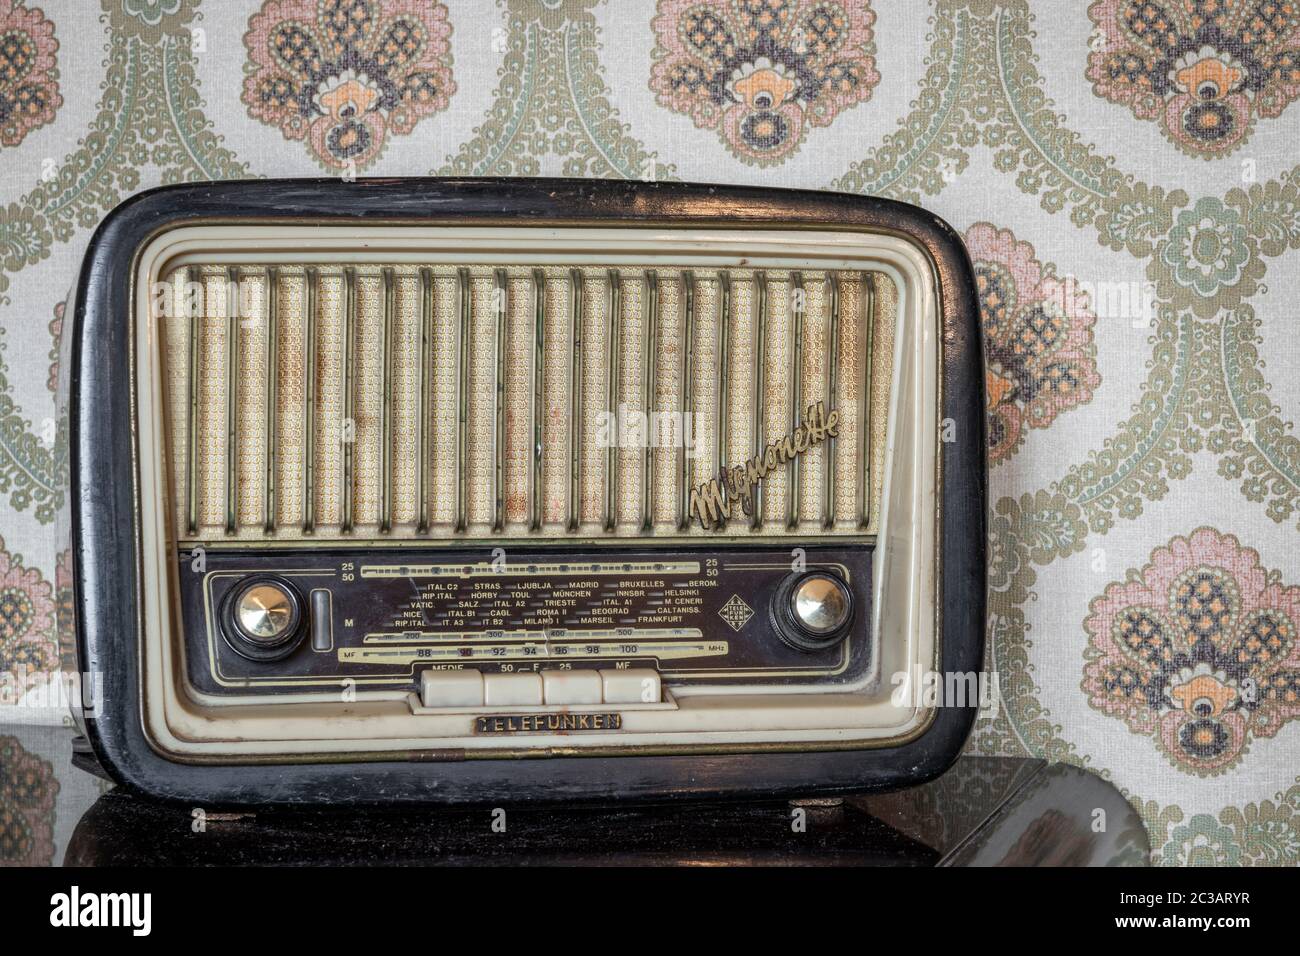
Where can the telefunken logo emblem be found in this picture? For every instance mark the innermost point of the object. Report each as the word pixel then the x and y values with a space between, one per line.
pixel 736 612
pixel 75 908
pixel 717 500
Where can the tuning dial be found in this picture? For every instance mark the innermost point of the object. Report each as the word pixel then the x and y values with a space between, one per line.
pixel 813 610
pixel 262 618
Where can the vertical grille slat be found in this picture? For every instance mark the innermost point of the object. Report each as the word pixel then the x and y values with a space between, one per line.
pixel 832 391
pixel 539 343
pixel 386 420
pixel 194 302
pixel 512 400
pixel 462 397
pixel 424 372
pixel 649 352
pixel 309 316
pixel 686 399
pixel 613 366
pixel 500 308
pixel 575 398
pixel 232 395
pixel 864 452
pixel 271 296
pixel 347 427
pixel 793 467
pixel 760 387
pixel 721 391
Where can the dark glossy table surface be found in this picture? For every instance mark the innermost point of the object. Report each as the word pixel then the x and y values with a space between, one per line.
pixel 983 811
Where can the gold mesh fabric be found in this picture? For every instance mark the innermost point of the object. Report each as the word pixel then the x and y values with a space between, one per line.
pixel 595 365
pixel 291 414
pixel 405 400
pixel 408 359
pixel 443 415
pixel 631 400
pixel 556 361
pixel 330 432
pixel 518 397
pixel 210 479
pixel 480 391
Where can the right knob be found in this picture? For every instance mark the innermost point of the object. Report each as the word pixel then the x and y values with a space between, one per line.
pixel 813 610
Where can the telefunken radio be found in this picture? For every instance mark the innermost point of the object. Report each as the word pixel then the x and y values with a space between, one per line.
pixel 485 490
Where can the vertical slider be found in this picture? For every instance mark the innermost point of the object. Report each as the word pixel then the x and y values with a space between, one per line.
pixel 864 450
pixel 322 620
pixel 422 439
pixel 347 435
pixel 232 395
pixel 686 401
pixel 386 407
pixel 832 388
pixel 197 310
pixel 311 286
pixel 796 396
pixel 499 441
pixel 720 391
pixel 649 343
pixel 539 342
pixel 271 296
pixel 462 395
pixel 613 361
pixel 760 388
pixel 575 395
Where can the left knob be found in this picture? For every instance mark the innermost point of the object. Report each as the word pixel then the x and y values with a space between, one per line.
pixel 263 618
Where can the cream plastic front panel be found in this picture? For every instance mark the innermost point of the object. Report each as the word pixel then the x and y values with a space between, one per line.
pixel 188 725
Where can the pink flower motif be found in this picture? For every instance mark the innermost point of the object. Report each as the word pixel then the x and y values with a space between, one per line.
pixel 1038 338
pixel 762 71
pixel 29 86
pixel 65 612
pixel 27 641
pixel 345 74
pixel 27 790
pixel 1201 70
pixel 1199 649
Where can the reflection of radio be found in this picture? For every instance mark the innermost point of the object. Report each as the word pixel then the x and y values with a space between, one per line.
pixel 381 486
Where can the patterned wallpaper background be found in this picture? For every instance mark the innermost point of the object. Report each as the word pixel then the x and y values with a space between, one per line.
pixel 1124 172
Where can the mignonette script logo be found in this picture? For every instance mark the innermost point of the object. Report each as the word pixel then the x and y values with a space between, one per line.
pixel 717 500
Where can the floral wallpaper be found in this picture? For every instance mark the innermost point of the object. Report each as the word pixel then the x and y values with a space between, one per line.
pixel 1124 173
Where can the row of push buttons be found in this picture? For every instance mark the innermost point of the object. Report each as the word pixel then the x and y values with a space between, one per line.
pixel 471 688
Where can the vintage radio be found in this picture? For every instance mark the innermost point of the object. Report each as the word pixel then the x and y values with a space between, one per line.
pixel 480 490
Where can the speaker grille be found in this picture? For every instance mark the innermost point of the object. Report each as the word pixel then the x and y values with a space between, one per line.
pixel 439 402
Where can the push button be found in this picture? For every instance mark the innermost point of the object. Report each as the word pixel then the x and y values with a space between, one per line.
pixel 572 687
pixel 633 686
pixel 512 690
pixel 451 689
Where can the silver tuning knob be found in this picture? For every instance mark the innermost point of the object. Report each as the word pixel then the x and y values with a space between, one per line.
pixel 812 611
pixel 262 618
